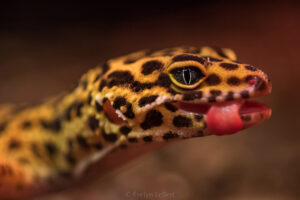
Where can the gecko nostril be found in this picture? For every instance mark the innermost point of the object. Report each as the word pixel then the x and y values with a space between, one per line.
pixel 251 82
pixel 256 81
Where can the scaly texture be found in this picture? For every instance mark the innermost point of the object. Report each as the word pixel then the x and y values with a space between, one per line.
pixel 139 98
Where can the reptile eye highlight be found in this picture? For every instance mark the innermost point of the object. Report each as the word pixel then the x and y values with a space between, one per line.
pixel 187 77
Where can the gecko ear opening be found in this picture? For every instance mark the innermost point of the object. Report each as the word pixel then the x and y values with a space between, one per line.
pixel 111 113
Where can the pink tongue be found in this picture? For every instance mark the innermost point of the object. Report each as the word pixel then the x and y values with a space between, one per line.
pixel 224 119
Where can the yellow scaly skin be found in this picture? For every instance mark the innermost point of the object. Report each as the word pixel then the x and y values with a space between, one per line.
pixel 41 145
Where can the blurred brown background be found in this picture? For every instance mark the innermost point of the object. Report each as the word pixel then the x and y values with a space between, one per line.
pixel 45 46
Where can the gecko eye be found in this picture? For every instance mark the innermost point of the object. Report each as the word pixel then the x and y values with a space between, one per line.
pixel 187 77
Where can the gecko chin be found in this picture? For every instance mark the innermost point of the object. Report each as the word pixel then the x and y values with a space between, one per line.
pixel 226 118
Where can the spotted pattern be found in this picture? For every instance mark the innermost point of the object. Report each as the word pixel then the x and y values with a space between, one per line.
pixel 229 66
pixel 93 123
pixel 213 79
pixel 170 135
pixel 245 94
pixel 153 119
pixel 147 100
pixel 192 96
pixel 125 130
pixel 185 57
pixel 151 66
pixel 26 124
pixel 60 135
pixel 182 121
pixel 148 138
pixel 54 125
pixel 170 107
pixel 233 81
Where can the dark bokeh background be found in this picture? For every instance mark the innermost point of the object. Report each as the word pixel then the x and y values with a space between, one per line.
pixel 45 46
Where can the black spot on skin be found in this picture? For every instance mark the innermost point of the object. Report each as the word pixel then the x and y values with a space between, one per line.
pixel 187 57
pixel 163 80
pixel 93 123
pixel 54 125
pixel 171 107
pixel 170 135
pixel 147 138
pixel 246 118
pixel 97 77
pixel 192 96
pixel 153 118
pixel 245 94
pixel 119 101
pixel 147 100
pixel 51 148
pixel 233 81
pixel 26 124
pixel 84 84
pixel 229 96
pixel 213 79
pixel 125 130
pixel 35 151
pixel 220 52
pixel 98 146
pixel 14 144
pixel 181 121
pixel 3 126
pixel 103 83
pixel 229 66
pixel 171 91
pixel 198 117
pixel 68 112
pixel 120 78
pixel 89 99
pixel 212 99
pixel 78 109
pixel 82 142
pixel 151 66
pixel 70 159
pixel 104 100
pixel 129 112
pixel 200 134
pixel 105 67
pixel 211 59
pixel 132 139
pixel 111 137
pixel 215 92
pixel 137 86
pixel 99 108
pixel 250 68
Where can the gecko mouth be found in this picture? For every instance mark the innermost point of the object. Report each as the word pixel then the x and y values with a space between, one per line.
pixel 228 117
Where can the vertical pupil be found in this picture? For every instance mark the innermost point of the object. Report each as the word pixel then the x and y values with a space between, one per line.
pixel 187 76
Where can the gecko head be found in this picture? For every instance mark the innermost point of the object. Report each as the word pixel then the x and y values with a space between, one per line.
pixel 220 90
pixel 188 93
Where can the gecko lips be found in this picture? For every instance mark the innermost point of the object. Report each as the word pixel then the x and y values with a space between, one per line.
pixel 230 117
